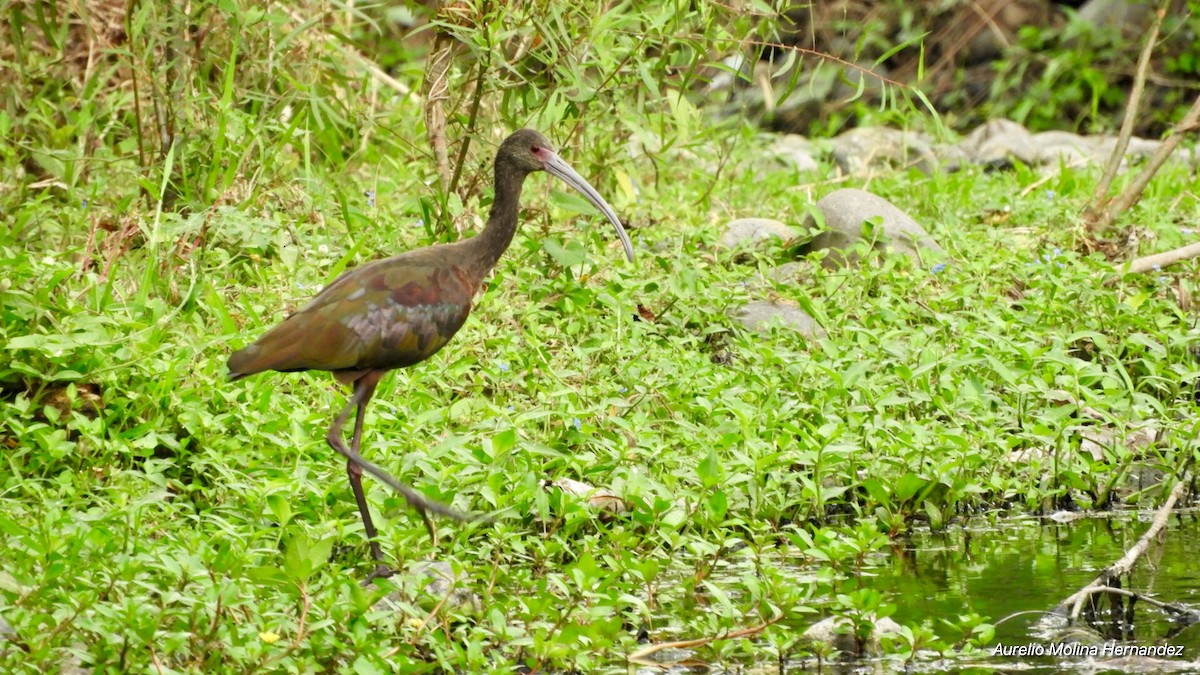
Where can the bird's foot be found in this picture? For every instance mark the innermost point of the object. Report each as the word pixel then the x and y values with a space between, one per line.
pixel 381 571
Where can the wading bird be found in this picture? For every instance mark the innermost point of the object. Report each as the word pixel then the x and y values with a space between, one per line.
pixel 399 311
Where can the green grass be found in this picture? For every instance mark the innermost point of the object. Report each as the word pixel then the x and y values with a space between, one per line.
pixel 154 516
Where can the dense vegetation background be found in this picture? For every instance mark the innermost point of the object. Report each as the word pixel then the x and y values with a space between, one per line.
pixel 177 177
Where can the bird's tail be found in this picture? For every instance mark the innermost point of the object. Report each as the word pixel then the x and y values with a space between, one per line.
pixel 253 359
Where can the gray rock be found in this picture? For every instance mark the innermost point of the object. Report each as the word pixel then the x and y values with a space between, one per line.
pixel 999 141
pixel 864 150
pixel 846 210
pixel 1096 441
pixel 7 637
pixel 951 157
pixel 72 663
pixel 1128 16
pixel 1063 146
pixel 1039 454
pixel 745 231
pixel 1064 517
pixel 795 151
pixel 1144 475
pixel 669 657
pixel 429 582
pixel 1057 146
pixel 440 576
pixel 788 273
pixel 1138 147
pixel 600 498
pixel 1076 635
pixel 838 632
pixel 761 315
pixel 1054 147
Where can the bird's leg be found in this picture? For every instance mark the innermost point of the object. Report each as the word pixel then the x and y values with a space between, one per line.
pixel 355 472
pixel 364 389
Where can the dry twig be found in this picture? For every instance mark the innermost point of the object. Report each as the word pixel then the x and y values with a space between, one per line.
pixel 354 56
pixel 1190 122
pixel 641 656
pixel 301 628
pixel 1094 218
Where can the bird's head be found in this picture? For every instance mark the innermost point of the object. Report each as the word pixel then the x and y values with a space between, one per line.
pixel 528 151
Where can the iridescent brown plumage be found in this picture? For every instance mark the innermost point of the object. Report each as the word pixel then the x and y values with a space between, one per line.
pixel 396 312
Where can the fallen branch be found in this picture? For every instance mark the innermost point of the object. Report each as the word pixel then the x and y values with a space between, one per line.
pixel 1158 261
pixel 640 657
pixel 1165 606
pixel 1073 604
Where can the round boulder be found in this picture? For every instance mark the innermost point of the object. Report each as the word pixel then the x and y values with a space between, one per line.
pixel 997 142
pixel 744 231
pixel 431 583
pixel 847 210
pixel 838 632
pixel 760 315
pixel 795 151
pixel 863 151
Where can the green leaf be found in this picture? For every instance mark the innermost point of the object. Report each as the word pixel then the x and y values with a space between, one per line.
pixel 295 559
pixel 877 491
pixel 504 441
pixel 568 255
pixel 302 556
pixel 280 507
pixel 27 342
pixel 908 486
pixel 709 469
pixel 319 552
pixel 9 584
pixel 362 666
pixel 717 504
pixel 936 519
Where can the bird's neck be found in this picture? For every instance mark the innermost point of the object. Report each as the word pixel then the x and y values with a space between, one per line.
pixel 489 245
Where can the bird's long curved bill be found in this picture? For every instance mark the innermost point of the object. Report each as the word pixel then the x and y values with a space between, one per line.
pixel 559 168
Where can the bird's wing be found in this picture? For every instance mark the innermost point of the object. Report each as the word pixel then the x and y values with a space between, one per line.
pixel 388 314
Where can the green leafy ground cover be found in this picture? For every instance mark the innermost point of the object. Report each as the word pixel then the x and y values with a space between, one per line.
pixel 155 517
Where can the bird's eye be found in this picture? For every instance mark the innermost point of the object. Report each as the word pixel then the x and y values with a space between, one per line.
pixel 534 149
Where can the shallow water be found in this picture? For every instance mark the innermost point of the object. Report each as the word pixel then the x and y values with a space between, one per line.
pixel 1023 567
pixel 1013 572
